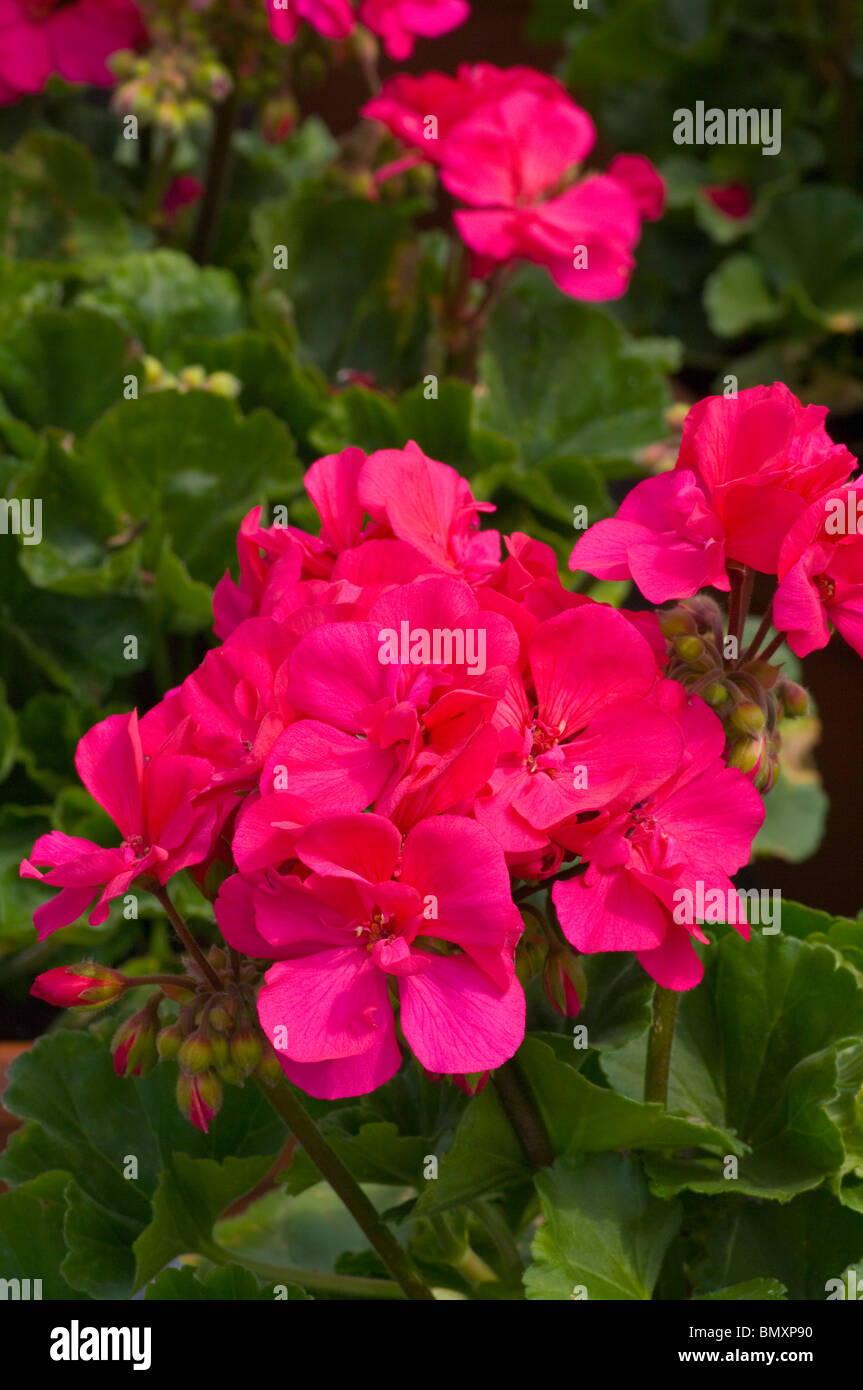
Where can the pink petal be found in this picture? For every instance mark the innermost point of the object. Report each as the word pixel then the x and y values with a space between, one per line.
pixel 455 1020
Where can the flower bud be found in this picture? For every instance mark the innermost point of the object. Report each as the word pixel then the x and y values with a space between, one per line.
pixel 748 718
pixel 169 1042
pixel 134 1043
pixel 196 1053
pixel 269 1069
pixel 676 622
pixel 192 377
pixel 564 982
pixel 220 1051
pixel 246 1050
pixel 688 648
pixel 765 674
pixel 224 384
pixel 84 986
pixel 745 753
pixel 715 694
pixel 795 700
pixel 199 1098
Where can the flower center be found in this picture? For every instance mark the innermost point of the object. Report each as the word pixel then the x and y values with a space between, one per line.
pixel 377 927
pixel 826 587
pixel 542 740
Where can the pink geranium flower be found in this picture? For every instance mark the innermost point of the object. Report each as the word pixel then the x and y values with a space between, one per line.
pixel 405 102
pixel 748 468
pixel 399 23
pixel 409 738
pixel 579 732
pixel 665 537
pixel 761 458
pixel 72 41
pixel 697 827
pixel 821 574
pixel 334 19
pixel 151 800
pixel 373 912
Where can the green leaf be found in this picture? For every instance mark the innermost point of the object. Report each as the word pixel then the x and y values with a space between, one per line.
pixel 98 1127
pixel 579 1117
pixel 802 1244
pixel 753 1289
pixel 737 298
pixel 188 467
pixel 192 1194
pixel 163 297
pixel 100 1261
pixel 603 1233
pixel 52 211
pixel 756 1053
pixel 377 1153
pixel 561 381
pixel 31 1236
pixel 352 285
pixel 271 376
pixel 790 245
pixel 64 367
pixel 8 736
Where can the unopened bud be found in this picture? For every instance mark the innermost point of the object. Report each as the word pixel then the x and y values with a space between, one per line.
pixel 688 648
pixel 196 1053
pixel 564 982
pixel 795 700
pixel 676 622
pixel 199 1098
pixel 224 384
pixel 748 718
pixel 745 753
pixel 169 1042
pixel 715 694
pixel 134 1044
pixel 246 1050
pixel 192 377
pixel 269 1069
pixel 84 986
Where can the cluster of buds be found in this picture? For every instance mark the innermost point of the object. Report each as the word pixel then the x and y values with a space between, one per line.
pixel 215 1038
pixel 194 378
pixel 169 87
pixel 750 695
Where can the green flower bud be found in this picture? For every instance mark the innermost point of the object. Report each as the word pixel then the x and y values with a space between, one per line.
pixel 169 1042
pixel 246 1050
pixel 196 1054
pixel 748 718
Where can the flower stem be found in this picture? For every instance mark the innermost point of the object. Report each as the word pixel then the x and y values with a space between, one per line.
pixel 186 937
pixel 217 178
pixel 523 1115
pixel 742 580
pixel 772 647
pixel 659 1044
pixel 763 629
pixel 349 1285
pixel 284 1100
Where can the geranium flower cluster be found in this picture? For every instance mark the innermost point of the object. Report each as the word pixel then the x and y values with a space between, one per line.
pixel 72 41
pixel 398 23
pixel 509 145
pixel 403 722
pixel 758 485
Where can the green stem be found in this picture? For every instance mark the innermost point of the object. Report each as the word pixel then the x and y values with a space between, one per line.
pixel 159 180
pixel 350 1285
pixel 501 1238
pixel 284 1101
pixel 186 937
pixel 181 981
pixel 216 179
pixel 659 1045
pixel 523 1115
